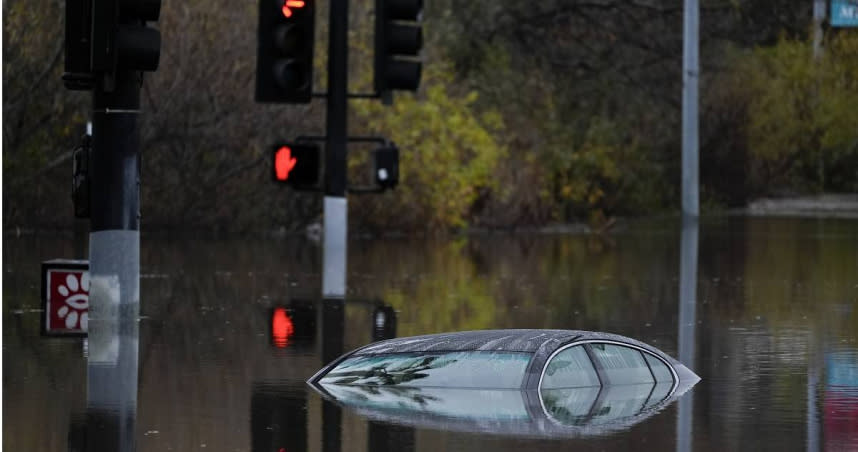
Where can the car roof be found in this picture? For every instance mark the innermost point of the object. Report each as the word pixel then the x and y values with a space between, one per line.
pixel 511 340
pixel 484 340
pixel 539 342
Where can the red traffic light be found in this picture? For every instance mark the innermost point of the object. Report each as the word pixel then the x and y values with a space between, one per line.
pixel 296 165
pixel 283 163
pixel 284 58
pixel 290 5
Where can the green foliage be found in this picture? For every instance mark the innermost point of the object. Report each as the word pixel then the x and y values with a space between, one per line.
pixel 460 297
pixel 802 115
pixel 449 152
pixel 528 114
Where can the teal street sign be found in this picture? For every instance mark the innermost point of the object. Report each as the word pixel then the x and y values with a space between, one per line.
pixel 844 13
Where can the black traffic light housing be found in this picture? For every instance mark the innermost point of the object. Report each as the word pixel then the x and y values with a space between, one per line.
pixel 284 59
pixel 297 165
pixel 398 40
pixel 386 166
pixel 103 36
pixel 383 323
pixel 77 74
pixel 120 37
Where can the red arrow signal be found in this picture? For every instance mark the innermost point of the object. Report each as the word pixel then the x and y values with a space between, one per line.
pixel 284 163
pixel 288 5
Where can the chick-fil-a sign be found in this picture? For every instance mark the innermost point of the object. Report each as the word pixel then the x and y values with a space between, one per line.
pixel 65 297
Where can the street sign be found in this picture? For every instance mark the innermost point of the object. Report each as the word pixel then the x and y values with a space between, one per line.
pixel 65 297
pixel 844 13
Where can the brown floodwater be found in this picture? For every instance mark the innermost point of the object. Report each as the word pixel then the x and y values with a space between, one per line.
pixel 764 310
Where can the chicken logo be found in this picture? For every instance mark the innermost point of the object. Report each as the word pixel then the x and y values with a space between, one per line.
pixel 67 304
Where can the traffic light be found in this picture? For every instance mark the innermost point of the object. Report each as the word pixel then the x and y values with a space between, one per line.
pixel 383 323
pixel 398 40
pixel 284 59
pixel 78 73
pixel 386 166
pixel 120 38
pixel 296 164
pixel 102 36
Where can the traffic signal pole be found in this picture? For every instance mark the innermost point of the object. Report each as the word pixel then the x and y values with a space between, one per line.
pixel 114 254
pixel 336 209
pixel 690 114
pixel 335 204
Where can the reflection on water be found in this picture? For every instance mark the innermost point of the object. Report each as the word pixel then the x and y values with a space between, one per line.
pixel 278 417
pixel 112 347
pixel 551 413
pixel 776 330
pixel 688 249
pixel 841 399
pixel 492 404
pixel 476 369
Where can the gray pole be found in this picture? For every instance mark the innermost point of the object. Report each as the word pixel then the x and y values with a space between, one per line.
pixel 114 254
pixel 690 115
pixel 818 19
pixel 687 325
pixel 336 207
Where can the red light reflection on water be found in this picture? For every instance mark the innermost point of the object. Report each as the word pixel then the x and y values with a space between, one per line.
pixel 281 328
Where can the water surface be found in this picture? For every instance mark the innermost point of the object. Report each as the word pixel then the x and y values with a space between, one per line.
pixel 769 320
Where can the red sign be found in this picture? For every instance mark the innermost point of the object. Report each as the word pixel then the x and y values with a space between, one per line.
pixel 65 295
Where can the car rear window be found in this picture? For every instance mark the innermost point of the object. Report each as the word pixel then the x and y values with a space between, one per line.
pixel 472 369
pixel 622 365
pixel 571 368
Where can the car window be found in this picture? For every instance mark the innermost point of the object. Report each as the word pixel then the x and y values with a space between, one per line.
pixel 571 368
pixel 490 370
pixel 621 365
pixel 659 369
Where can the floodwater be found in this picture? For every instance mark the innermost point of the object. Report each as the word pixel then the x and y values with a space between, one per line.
pixel 764 310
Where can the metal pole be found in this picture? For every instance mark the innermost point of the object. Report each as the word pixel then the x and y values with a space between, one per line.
pixel 690 114
pixel 81 226
pixel 818 19
pixel 687 325
pixel 114 254
pixel 336 207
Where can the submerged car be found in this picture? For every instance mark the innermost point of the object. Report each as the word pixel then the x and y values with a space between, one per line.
pixel 507 381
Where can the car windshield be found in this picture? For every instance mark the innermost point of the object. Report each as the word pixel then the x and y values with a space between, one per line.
pixel 472 369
